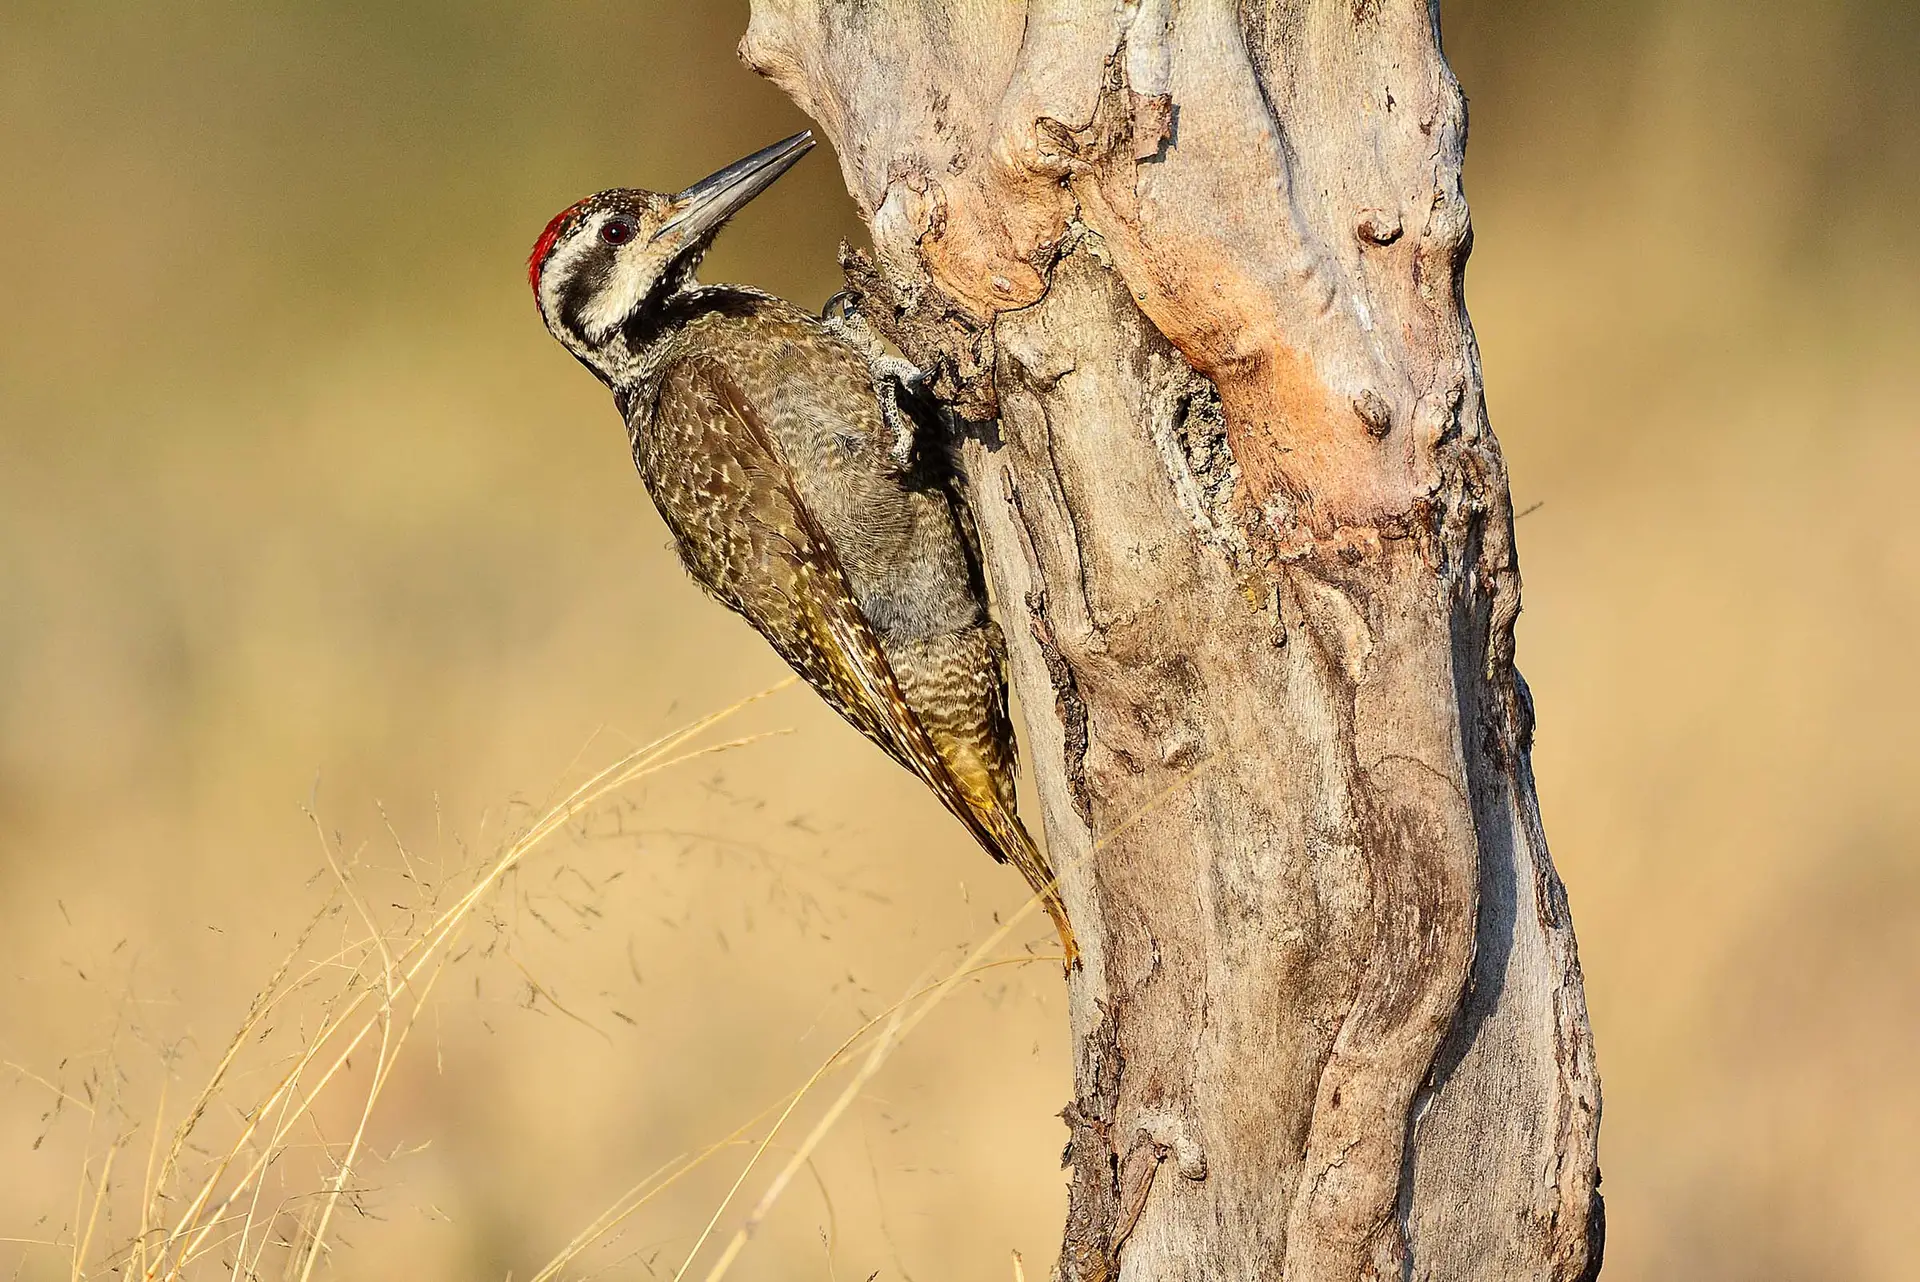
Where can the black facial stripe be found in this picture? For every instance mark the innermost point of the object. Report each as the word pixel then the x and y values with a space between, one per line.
pixel 644 323
pixel 665 303
pixel 590 274
pixel 666 308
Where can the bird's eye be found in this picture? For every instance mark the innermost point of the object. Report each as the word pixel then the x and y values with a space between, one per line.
pixel 616 231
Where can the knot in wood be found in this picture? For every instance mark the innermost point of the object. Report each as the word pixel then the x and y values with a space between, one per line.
pixel 1378 227
pixel 1373 410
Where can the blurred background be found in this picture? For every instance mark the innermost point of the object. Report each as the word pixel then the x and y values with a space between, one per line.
pixel 300 507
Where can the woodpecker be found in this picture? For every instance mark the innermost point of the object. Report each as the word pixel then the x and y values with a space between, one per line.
pixel 771 442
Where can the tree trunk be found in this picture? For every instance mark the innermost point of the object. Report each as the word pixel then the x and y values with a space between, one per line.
pixel 1192 270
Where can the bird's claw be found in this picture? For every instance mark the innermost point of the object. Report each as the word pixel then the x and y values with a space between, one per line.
pixel 893 376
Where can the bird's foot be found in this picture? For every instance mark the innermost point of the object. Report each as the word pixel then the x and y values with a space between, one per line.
pixel 893 376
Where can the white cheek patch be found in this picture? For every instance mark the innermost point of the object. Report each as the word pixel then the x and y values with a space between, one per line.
pixel 615 298
pixel 634 272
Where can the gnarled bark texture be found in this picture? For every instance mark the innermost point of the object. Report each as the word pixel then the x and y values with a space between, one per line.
pixel 1251 542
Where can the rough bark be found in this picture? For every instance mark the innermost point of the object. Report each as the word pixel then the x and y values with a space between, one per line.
pixel 1193 269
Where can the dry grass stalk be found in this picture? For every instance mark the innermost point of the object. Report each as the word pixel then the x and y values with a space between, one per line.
pixel 899 1020
pixel 389 977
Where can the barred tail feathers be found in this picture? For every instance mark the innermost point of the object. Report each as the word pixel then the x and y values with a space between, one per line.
pixel 982 799
pixel 1007 840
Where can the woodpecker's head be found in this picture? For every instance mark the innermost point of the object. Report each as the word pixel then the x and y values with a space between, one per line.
pixel 601 267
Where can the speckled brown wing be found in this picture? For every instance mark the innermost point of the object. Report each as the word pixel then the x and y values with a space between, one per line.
pixel 745 535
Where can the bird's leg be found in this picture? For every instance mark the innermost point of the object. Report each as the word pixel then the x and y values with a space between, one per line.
pixel 893 376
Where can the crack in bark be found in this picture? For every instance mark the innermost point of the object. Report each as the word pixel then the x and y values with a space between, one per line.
pixel 1068 706
pixel 1088 1251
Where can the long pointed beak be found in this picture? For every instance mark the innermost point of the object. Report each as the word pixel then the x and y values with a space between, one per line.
pixel 716 198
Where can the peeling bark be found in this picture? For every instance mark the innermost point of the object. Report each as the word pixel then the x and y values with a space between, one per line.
pixel 1247 524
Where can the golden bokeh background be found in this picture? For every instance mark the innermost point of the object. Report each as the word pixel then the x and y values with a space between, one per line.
pixel 299 506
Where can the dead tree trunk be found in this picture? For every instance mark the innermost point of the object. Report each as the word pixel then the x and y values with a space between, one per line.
pixel 1251 542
